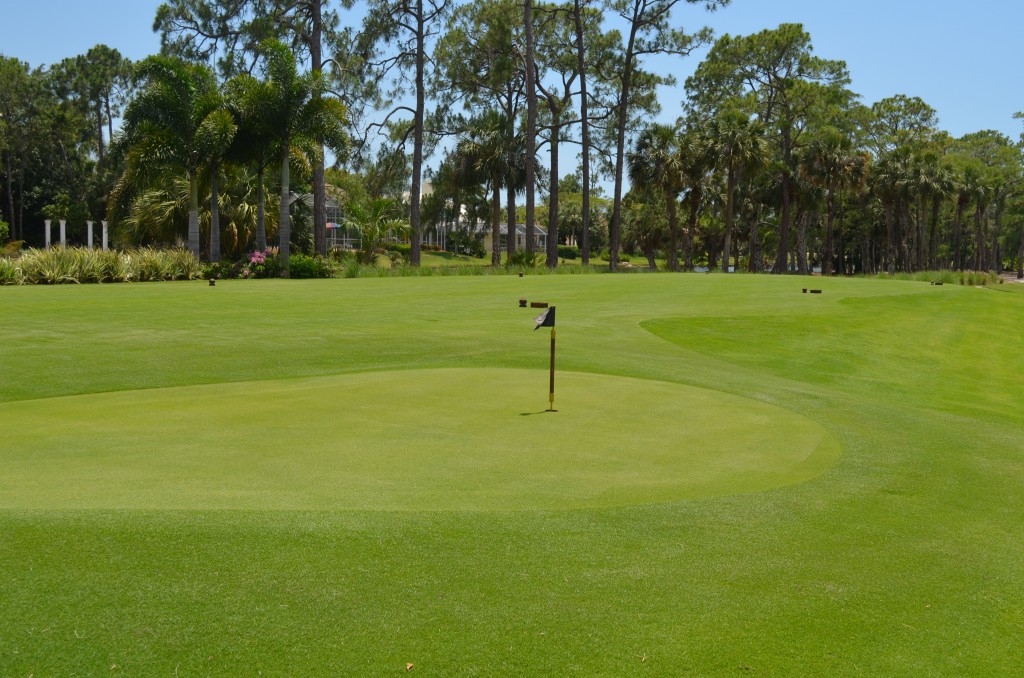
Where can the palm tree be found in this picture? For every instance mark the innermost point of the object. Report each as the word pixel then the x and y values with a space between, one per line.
pixel 830 162
pixel 480 158
pixel 300 115
pixel 890 180
pixel 656 166
pixel 740 146
pixel 250 99
pixel 175 123
pixel 697 155
pixel 644 224
pixel 376 223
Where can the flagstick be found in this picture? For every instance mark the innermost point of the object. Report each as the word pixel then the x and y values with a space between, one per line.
pixel 551 395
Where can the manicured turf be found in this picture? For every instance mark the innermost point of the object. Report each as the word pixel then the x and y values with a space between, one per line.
pixel 460 444
pixel 741 478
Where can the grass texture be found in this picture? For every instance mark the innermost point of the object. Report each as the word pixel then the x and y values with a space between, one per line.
pixel 345 477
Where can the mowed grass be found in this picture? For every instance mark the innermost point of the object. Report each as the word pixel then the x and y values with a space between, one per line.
pixel 339 443
pixel 899 551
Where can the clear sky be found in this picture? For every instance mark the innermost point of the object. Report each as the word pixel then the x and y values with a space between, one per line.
pixel 962 58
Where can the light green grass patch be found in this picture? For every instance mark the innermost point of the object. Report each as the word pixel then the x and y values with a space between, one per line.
pixel 467 439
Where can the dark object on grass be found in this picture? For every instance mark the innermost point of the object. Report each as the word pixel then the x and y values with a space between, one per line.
pixel 815 291
pixel 538 304
pixel 213 282
pixel 936 283
pixel 520 274
pixel 805 290
pixel 522 303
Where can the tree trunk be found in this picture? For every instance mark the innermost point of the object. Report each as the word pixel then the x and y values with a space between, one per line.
pixel 531 124
pixel 979 239
pixel 957 234
pixel 110 118
pixel 890 238
pixel 214 216
pixel 801 244
pixel 1020 254
pixel 841 239
pixel 997 228
pixel 510 189
pixel 193 214
pixel 284 223
pixel 319 182
pixel 782 258
pixel 826 259
pixel 496 223
pixel 99 133
pixel 671 205
pixel 417 149
pixel 10 197
pixel 261 213
pixel 615 228
pixel 754 265
pixel 922 240
pixel 695 199
pixel 933 228
pixel 510 219
pixel 552 243
pixel 730 200
pixel 21 201
pixel 584 130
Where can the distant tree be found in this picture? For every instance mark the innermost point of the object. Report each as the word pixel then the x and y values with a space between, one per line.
pixel 376 222
pixel 407 28
pixel 649 32
pixel 740 146
pixel 98 81
pixel 656 168
pixel 298 116
pixel 176 122
pixel 830 162
pixel 788 85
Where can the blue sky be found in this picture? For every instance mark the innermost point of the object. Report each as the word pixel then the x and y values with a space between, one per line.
pixel 963 58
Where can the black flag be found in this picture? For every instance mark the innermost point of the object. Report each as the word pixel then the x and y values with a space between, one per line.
pixel 545 319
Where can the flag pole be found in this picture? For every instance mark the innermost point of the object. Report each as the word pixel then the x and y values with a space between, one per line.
pixel 547 319
pixel 551 390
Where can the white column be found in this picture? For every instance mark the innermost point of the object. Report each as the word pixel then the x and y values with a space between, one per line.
pixel 88 229
pixel 63 233
pixel 47 230
pixel 104 235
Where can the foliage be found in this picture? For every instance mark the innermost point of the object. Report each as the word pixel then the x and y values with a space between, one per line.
pixel 398 252
pixel 306 266
pixel 463 241
pixel 568 252
pixel 75 265
pixel 521 259
pixel 377 224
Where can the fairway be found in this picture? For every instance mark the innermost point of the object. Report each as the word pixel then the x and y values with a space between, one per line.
pixel 464 443
pixel 344 477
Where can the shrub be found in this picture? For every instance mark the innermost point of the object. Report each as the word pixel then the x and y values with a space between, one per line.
pixel 10 272
pixel 568 252
pixel 399 253
pixel 61 265
pixel 522 259
pixel 305 266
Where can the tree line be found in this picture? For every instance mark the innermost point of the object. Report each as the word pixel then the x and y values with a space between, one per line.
pixel 775 164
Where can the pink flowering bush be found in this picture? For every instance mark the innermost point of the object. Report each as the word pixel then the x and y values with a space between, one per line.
pixel 258 264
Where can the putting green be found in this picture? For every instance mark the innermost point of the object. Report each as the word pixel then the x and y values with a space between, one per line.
pixel 448 439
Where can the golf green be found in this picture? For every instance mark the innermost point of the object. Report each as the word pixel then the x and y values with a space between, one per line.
pixel 467 439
